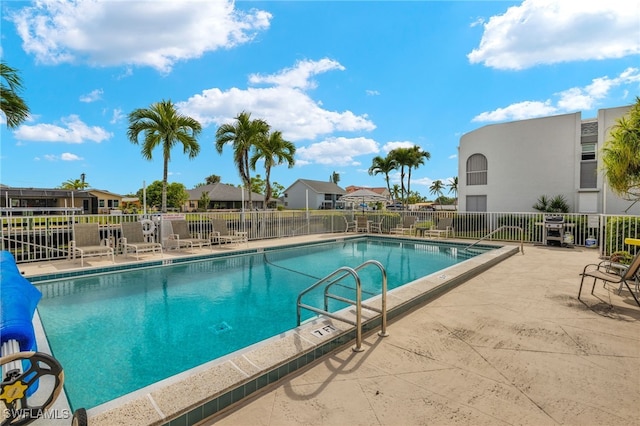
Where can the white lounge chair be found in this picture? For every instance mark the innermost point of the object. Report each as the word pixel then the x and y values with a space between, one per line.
pixel 180 236
pixel 222 234
pixel 87 242
pixel 407 227
pixel 133 240
pixel 444 227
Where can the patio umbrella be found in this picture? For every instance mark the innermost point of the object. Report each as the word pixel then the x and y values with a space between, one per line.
pixel 363 196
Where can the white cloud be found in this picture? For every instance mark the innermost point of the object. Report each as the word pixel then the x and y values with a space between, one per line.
pixel 372 92
pixel 95 95
pixel 133 32
pixel 338 151
pixel 73 131
pixel 117 116
pixel 518 111
pixel 570 100
pixel 66 156
pixel 287 107
pixel 390 146
pixel 299 76
pixel 552 31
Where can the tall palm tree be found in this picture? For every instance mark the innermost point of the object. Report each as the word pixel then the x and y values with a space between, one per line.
pixel 403 158
pixel 12 105
pixel 244 135
pixel 453 187
pixel 436 188
pixel 416 160
pixel 163 126
pixel 275 151
pixel 385 166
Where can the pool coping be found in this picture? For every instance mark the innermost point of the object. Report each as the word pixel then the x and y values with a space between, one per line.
pixel 212 388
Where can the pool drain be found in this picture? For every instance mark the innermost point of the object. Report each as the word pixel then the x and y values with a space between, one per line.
pixel 223 327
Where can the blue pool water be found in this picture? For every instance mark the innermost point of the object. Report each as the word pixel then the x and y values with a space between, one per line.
pixel 118 332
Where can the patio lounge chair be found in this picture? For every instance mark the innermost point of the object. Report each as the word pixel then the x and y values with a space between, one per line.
pixel 222 234
pixel 180 236
pixel 133 240
pixel 444 227
pixel 86 242
pixel 603 271
pixel 407 227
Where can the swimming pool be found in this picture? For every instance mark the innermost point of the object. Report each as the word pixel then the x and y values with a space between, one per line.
pixel 118 332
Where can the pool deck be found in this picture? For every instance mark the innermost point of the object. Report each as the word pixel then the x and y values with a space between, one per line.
pixel 512 345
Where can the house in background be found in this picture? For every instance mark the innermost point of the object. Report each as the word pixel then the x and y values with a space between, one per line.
pixel 38 201
pixel 223 196
pixel 507 167
pixel 107 201
pixel 313 194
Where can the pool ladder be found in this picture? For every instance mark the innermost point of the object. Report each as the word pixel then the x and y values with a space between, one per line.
pixel 337 276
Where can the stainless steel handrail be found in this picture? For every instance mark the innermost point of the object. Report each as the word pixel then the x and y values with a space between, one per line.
pixel 383 307
pixel 499 229
pixel 337 276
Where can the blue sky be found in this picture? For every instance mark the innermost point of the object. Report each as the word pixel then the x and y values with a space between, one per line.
pixel 344 81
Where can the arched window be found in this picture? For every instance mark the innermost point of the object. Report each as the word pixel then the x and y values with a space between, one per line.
pixel 477 170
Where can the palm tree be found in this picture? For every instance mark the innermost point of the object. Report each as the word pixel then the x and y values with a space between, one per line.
pixel 453 187
pixel 244 135
pixel 621 155
pixel 416 160
pixel 403 158
pixel 385 166
pixel 163 126
pixel 436 188
pixel 74 184
pixel 12 105
pixel 275 151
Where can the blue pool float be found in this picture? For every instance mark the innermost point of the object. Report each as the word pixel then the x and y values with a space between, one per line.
pixel 18 301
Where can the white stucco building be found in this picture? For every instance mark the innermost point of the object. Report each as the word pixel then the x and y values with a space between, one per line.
pixel 507 167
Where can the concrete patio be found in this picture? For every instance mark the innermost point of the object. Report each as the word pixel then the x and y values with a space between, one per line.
pixel 511 346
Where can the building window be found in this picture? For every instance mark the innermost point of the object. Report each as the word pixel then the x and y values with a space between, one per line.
pixel 476 203
pixel 116 203
pixel 588 166
pixel 101 203
pixel 477 170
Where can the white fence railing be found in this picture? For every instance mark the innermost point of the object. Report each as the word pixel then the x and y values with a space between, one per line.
pixel 36 238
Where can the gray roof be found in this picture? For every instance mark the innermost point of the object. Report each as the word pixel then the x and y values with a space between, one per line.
pixel 320 187
pixel 223 192
pixel 43 192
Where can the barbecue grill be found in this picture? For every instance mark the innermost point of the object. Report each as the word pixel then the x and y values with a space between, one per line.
pixel 554 227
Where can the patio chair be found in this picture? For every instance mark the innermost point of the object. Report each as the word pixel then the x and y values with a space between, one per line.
pixel 376 226
pixel 222 234
pixel 362 224
pixel 350 225
pixel 180 236
pixel 603 271
pixel 87 242
pixel 133 240
pixel 407 227
pixel 444 227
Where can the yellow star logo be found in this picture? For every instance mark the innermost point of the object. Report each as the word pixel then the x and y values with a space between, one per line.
pixel 13 391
